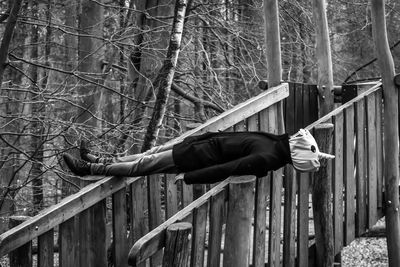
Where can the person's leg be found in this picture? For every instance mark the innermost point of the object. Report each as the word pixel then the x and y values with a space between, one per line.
pixel 85 154
pixel 150 164
pixel 155 163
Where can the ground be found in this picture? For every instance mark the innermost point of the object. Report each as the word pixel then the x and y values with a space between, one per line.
pixel 366 251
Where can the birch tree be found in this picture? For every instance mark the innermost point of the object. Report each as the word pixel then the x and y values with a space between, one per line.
pixel 163 81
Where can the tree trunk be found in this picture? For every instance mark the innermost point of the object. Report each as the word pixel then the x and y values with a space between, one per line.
pixel 386 65
pixel 323 49
pixel 7 173
pixel 164 79
pixel 90 24
pixel 37 119
pixel 151 44
pixel 7 36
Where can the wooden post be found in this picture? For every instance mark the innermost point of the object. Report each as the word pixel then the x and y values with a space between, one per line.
pixel 323 49
pixel 273 42
pixel 386 65
pixel 22 256
pixel 321 198
pixel 176 253
pixel 238 224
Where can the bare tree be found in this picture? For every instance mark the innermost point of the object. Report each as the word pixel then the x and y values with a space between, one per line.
pixel 164 79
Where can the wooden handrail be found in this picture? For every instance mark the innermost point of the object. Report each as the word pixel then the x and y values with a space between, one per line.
pixel 154 240
pixel 66 209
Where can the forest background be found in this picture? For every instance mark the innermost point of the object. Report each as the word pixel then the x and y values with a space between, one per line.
pixel 89 70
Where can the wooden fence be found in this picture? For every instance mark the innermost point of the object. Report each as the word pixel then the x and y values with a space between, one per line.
pixel 357 197
pixel 79 225
pixel 79 222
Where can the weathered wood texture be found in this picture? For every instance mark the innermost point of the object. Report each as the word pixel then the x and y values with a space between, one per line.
pixel 391 131
pixel 238 225
pixel 120 234
pixel 46 249
pixel 259 113
pixel 324 57
pixel 321 197
pixel 300 107
pixel 23 255
pixel 177 245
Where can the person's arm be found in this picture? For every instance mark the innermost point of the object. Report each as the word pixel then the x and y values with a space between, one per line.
pixel 255 164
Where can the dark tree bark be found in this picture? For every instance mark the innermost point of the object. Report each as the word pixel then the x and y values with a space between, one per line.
pixel 37 120
pixel 7 36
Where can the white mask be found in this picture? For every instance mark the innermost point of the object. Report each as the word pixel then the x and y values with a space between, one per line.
pixel 305 153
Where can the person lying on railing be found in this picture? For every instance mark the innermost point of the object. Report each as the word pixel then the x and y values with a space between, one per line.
pixel 210 157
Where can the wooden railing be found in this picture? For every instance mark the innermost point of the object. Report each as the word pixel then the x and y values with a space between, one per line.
pixel 80 220
pixel 357 197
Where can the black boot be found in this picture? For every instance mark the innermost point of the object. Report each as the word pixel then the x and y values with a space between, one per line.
pixel 77 166
pixel 85 153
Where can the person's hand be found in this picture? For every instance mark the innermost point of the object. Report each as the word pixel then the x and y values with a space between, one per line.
pixel 179 177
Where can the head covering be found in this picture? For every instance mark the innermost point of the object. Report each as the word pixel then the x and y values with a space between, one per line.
pixel 305 153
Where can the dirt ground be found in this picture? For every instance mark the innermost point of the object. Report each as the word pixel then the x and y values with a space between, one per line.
pixel 366 251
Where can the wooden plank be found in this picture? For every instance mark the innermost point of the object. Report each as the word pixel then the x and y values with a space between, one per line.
pixel 22 256
pixel 252 123
pixel 171 195
pixel 361 207
pixel 155 240
pixel 260 220
pixel 119 216
pixel 138 205
pixel 217 206
pixel 289 222
pixel 261 195
pixel 337 188
pixel 263 122
pixel 372 161
pixel 379 148
pixel 61 212
pixel 290 109
pixel 306 106
pixel 98 227
pixel 302 217
pixel 273 119
pixel 68 243
pixel 46 249
pixel 312 88
pixel 199 235
pixel 187 194
pixel 340 109
pixel 349 178
pixel 84 238
pixel 154 210
pixel 299 112
pixel 154 200
pixel 275 219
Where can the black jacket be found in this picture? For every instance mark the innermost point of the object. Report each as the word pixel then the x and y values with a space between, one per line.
pixel 212 157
